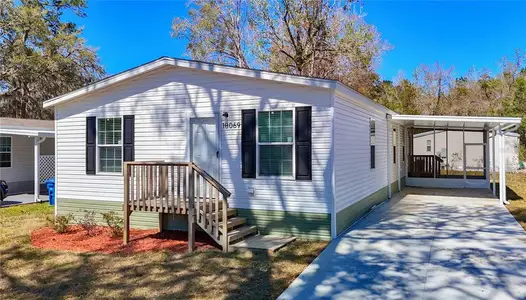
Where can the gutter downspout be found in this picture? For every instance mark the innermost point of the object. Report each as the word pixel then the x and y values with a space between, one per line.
pixel 36 146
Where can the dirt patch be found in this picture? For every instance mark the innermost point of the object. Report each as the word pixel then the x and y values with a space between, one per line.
pixel 76 239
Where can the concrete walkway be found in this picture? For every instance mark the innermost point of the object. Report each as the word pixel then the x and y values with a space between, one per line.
pixel 428 244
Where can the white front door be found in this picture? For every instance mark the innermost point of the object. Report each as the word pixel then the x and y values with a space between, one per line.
pixel 204 149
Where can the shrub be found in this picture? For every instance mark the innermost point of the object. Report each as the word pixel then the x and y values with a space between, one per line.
pixel 60 223
pixel 115 223
pixel 87 222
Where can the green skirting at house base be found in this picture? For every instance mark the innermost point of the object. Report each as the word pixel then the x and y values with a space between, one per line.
pixel 143 220
pixel 311 226
pixel 353 212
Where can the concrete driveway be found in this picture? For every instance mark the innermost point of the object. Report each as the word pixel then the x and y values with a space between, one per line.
pixel 423 244
pixel 12 200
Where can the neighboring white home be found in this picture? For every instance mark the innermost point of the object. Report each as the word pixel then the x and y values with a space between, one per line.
pixel 27 154
pixel 449 146
pixel 300 156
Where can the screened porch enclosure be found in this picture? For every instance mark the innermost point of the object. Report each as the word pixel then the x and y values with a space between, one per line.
pixel 448 153
pixel 453 151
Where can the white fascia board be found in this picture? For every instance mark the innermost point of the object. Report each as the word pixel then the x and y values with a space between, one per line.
pixel 166 61
pixel 361 100
pixel 502 120
pixel 27 132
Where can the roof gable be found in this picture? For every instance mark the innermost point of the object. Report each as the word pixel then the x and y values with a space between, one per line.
pixel 196 65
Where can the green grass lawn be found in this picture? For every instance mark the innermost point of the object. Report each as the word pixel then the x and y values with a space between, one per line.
pixel 31 273
pixel 516 195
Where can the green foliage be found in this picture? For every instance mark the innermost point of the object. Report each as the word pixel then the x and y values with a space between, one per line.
pixel 311 38
pixel 88 223
pixel 115 223
pixel 60 223
pixel 41 56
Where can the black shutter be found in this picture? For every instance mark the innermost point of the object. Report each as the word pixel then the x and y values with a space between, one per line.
pixel 303 143
pixel 129 138
pixel 373 157
pixel 248 143
pixel 91 153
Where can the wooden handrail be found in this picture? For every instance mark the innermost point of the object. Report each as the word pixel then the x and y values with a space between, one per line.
pixel 212 180
pixel 175 187
pixel 424 165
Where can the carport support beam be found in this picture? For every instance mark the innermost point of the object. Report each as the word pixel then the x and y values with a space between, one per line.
pixel 502 168
pixel 493 171
pixel 36 145
pixel 388 159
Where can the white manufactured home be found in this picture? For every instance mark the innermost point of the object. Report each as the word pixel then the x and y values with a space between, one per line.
pixel 240 150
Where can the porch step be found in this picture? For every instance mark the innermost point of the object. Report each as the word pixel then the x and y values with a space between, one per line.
pixel 267 243
pixel 241 232
pixel 234 222
pixel 229 213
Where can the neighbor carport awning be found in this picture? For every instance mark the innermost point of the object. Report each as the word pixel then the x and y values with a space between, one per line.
pixel 28 132
pixel 39 130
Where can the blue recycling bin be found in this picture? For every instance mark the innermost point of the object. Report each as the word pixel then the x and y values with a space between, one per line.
pixel 50 185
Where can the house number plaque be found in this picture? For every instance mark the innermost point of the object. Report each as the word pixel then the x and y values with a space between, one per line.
pixel 231 125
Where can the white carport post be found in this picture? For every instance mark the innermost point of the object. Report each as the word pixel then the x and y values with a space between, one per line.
pixel 398 157
pixel 388 158
pixel 493 171
pixel 502 169
pixel 36 145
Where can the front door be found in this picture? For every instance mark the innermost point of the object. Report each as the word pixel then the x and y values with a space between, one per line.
pixel 204 150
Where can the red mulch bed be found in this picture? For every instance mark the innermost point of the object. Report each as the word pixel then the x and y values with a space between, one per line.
pixel 76 239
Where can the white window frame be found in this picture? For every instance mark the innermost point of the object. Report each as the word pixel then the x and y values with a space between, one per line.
pixel 293 177
pixel 428 144
pixel 98 146
pixel 10 152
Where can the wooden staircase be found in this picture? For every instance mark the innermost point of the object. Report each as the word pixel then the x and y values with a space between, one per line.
pixel 237 228
pixel 183 188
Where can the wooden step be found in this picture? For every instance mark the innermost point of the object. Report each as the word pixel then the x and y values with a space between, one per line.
pixel 241 232
pixel 233 222
pixel 229 213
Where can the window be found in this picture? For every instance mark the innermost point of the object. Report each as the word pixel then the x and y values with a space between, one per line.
pixel 109 142
pixel 276 143
pixel 372 142
pixel 428 146
pixel 5 152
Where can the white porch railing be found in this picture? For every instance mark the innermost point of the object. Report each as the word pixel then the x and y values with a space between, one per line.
pixel 47 167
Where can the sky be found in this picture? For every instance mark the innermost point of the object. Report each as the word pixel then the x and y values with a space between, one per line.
pixel 462 34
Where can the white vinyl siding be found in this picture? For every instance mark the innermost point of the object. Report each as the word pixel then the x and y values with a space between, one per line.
pixel 163 102
pixel 354 178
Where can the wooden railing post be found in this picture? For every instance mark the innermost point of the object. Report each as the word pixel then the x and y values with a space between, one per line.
pixel 191 208
pixel 126 233
pixel 224 221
